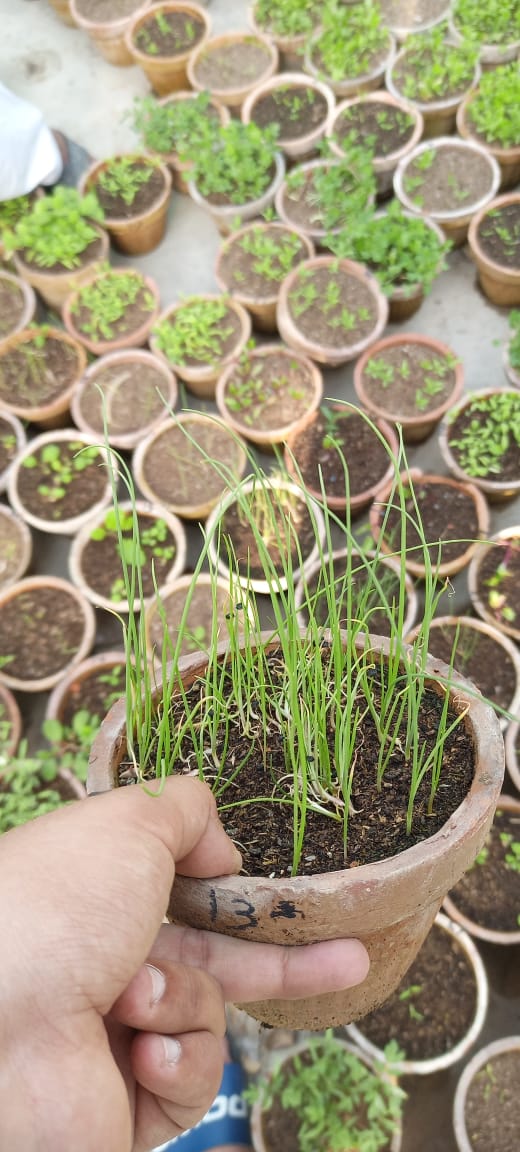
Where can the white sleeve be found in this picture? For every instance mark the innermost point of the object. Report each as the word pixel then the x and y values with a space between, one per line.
pixel 29 154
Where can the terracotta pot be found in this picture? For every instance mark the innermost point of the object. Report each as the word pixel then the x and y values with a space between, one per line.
pixel 55 525
pixel 166 73
pixel 134 406
pixel 389 905
pixel 490 55
pixel 419 425
pixel 62 8
pixel 512 762
pixel 511 805
pixel 134 235
pixel 11 720
pixel 261 307
pixel 495 491
pixel 434 1064
pixel 488 1056
pixel 330 354
pixel 291 48
pixel 295 147
pixel 264 430
pixel 66 697
pixel 405 302
pixel 350 86
pixel 16 546
pixel 453 221
pixel 134 338
pixel 439 116
pixel 416 566
pixel 55 412
pixel 479 601
pixel 109 34
pixel 180 169
pixel 508 159
pixel 339 556
pixel 202 377
pixel 27 305
pixel 313 229
pixel 32 584
pixel 499 282
pixel 198 453
pixel 406 21
pixel 84 535
pixel 228 216
pixel 384 166
pixel 233 90
pixel 54 287
pixel 11 427
pixel 163 616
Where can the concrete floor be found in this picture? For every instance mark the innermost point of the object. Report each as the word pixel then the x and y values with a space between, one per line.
pixel 60 70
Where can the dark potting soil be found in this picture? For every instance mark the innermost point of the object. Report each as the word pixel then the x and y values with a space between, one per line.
pixel 243 273
pixel 479 657
pixel 343 323
pixel 41 629
pixel 409 379
pixel 456 180
pixel 8 443
pixel 493 1105
pixel 507 464
pixel 499 236
pixel 397 12
pixel 269 391
pixel 107 11
pixel 371 606
pixel 498 581
pixel 101 565
pixel 171 35
pixel 232 65
pixel 56 490
pixel 390 128
pixel 90 253
pixel 33 376
pixel 489 893
pixel 377 824
pixel 319 448
pixel 94 693
pixel 131 393
pixel 12 305
pixel 434 1005
pixel 183 470
pixel 147 195
pixel 296 109
pixel 135 315
pixel 449 522
pixel 273 525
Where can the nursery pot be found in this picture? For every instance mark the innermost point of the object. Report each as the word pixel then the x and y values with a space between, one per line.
pixel 390 905
pixel 126 388
pixel 166 72
pixel 131 337
pixel 134 234
pixel 231 85
pixel 384 166
pixel 499 282
pixel 469 920
pixel 453 221
pixel 54 287
pixel 490 1054
pixel 295 147
pixel 109 34
pixel 507 158
pixel 261 302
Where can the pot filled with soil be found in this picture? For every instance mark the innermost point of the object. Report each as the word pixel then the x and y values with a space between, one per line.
pixel 188 462
pixel 487 898
pixel 365 585
pixel 449 180
pixel 177 124
pixel 494 581
pixel 434 75
pixel 59 480
pixel 384 123
pixel 288 25
pixel 46 625
pixel 236 173
pixel 341 457
pixel 199 337
pixel 486 1111
pixel 161 42
pixel 403 19
pixel 479 442
pixel 253 261
pixel 231 65
pixel 496 31
pixel 39 370
pixel 491 116
pixel 16 546
pixel 98 559
pixel 134 192
pixel 115 310
pixel 12 439
pixel 91 687
pixel 17 305
pixel 189 613
pixel 106 24
pixel 494 244
pixel 331 309
pixel 438 1010
pixel 316 197
pixel 411 380
pixel 351 49
pixel 132 390
pixel 299 105
pixel 268 393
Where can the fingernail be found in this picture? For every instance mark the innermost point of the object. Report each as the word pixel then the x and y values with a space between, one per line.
pixel 158 982
pixel 172 1050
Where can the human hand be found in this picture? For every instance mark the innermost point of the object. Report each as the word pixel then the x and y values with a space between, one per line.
pixel 99 1051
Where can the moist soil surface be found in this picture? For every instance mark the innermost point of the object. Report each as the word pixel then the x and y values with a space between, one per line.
pixel 434 1005
pixel 147 195
pixel 8 443
pixel 346 321
pixel 31 376
pixel 45 493
pixel 237 64
pixel 408 380
pixel 177 33
pixel 269 392
pixel 41 629
pixel 244 273
pixel 456 180
pixel 364 603
pixel 101 565
pixel 492 1109
pixel 499 236
pixel 489 893
pixel 12 305
pixel 320 448
pixel 389 128
pixel 498 581
pixel 296 109
pixel 183 469
pixel 107 11
pixel 449 522
pixel 479 657
pixel 130 394
pixel 135 315
pixel 283 511
pixel 94 693
pixel 507 464
pixel 377 824
pixel 91 253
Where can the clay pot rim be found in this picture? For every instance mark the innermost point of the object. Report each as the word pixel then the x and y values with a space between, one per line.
pixel 258 434
pixel 465 129
pixel 445 104
pixel 483 1056
pixel 292 145
pixel 21 440
pixel 89 177
pixel 387 561
pixel 89 630
pixel 57 697
pixel 140 17
pixel 452 214
pixel 65 274
pixel 283 43
pixel 490 487
pixel 379 96
pixel 348 83
pixel 114 25
pixel 24 543
pixel 505 803
pixel 141 355
pixel 204 372
pixel 119 343
pixel 250 208
pixel 513 767
pixel 228 241
pixel 56 527
pixel 60 403
pixel 401 31
pixel 314 233
pixel 488 53
pixel 473 238
pixel 28 304
pixel 434 415
pixel 220 41
pixel 511 532
pixel 433 1064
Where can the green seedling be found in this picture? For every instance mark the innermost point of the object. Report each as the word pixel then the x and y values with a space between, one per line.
pixel 351 39
pixel 124 176
pixel 180 126
pixel 408 995
pixel 492 430
pixel 494 111
pixel 197 331
pixel 431 68
pixel 236 164
pixel 487 21
pixel 402 250
pixel 288 17
pixel 102 306
pixel 57 230
pixel 59 464
pixel 272 254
